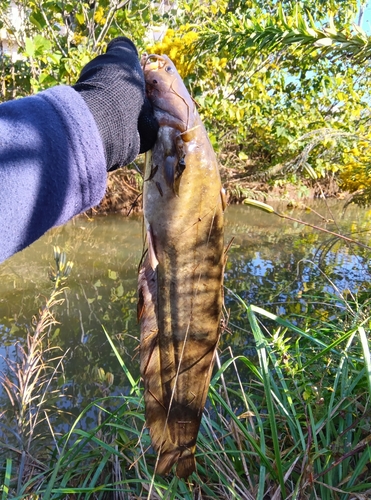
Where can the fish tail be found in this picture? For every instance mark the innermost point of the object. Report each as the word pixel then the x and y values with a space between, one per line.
pixel 186 465
pixel 185 460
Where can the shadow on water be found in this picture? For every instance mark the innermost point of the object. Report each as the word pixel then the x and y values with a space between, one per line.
pixel 282 266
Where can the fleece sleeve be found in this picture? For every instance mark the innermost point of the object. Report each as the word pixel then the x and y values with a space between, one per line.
pixel 52 165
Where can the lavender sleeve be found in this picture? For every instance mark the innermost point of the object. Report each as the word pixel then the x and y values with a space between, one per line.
pixel 52 165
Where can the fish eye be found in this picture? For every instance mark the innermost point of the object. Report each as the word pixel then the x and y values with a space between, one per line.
pixel 154 82
pixel 169 69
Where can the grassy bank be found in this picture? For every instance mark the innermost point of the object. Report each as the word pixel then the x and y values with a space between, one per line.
pixel 291 421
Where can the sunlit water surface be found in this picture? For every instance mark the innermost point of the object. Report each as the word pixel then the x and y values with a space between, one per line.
pixel 273 263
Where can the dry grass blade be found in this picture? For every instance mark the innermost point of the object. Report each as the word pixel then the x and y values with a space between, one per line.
pixel 27 384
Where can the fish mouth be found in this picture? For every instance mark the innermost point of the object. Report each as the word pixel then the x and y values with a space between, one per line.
pixel 154 61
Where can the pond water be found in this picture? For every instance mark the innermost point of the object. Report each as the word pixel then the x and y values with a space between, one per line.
pixel 277 264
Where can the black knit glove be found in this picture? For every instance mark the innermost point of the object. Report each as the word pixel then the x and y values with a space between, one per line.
pixel 112 85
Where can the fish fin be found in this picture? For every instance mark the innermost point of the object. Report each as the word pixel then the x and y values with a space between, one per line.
pixel 180 167
pixel 140 304
pixel 166 461
pixel 169 172
pixel 186 465
pixel 151 249
pixel 176 186
pixel 152 173
pixel 223 196
pixel 149 353
pixel 159 188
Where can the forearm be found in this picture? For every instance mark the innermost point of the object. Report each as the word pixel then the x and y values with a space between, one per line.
pixel 52 165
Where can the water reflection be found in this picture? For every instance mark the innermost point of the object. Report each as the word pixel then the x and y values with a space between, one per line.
pixel 273 263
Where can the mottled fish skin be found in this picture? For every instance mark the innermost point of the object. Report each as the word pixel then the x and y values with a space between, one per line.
pixel 181 277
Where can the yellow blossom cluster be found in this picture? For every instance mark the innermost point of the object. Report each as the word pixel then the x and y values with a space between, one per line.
pixel 178 45
pixel 79 38
pixel 356 174
pixel 99 17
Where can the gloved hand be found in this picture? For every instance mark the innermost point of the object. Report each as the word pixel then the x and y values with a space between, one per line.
pixel 112 86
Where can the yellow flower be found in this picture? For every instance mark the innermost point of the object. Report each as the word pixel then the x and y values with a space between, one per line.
pixel 178 46
pixel 99 15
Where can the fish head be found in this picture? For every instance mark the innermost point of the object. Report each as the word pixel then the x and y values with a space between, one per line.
pixel 166 90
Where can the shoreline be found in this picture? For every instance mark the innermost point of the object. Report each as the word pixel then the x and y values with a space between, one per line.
pixel 124 195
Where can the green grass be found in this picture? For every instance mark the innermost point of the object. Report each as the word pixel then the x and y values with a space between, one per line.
pixel 292 422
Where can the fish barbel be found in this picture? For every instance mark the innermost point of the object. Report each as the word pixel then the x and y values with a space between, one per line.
pixel 181 276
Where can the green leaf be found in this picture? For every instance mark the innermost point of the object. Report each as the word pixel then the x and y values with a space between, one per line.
pixel 80 18
pixel 312 32
pixel 42 45
pixel 259 204
pixel 283 132
pixel 7 479
pixel 112 275
pixel 323 42
pixel 360 31
pixel 55 57
pixel 366 355
pixel 47 80
pixel 29 47
pixel 37 19
pixel 310 171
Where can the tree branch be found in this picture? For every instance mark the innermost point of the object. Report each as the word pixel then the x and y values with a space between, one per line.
pixel 51 30
pixel 115 7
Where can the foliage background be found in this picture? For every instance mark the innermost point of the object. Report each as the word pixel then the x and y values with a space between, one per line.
pixel 283 87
